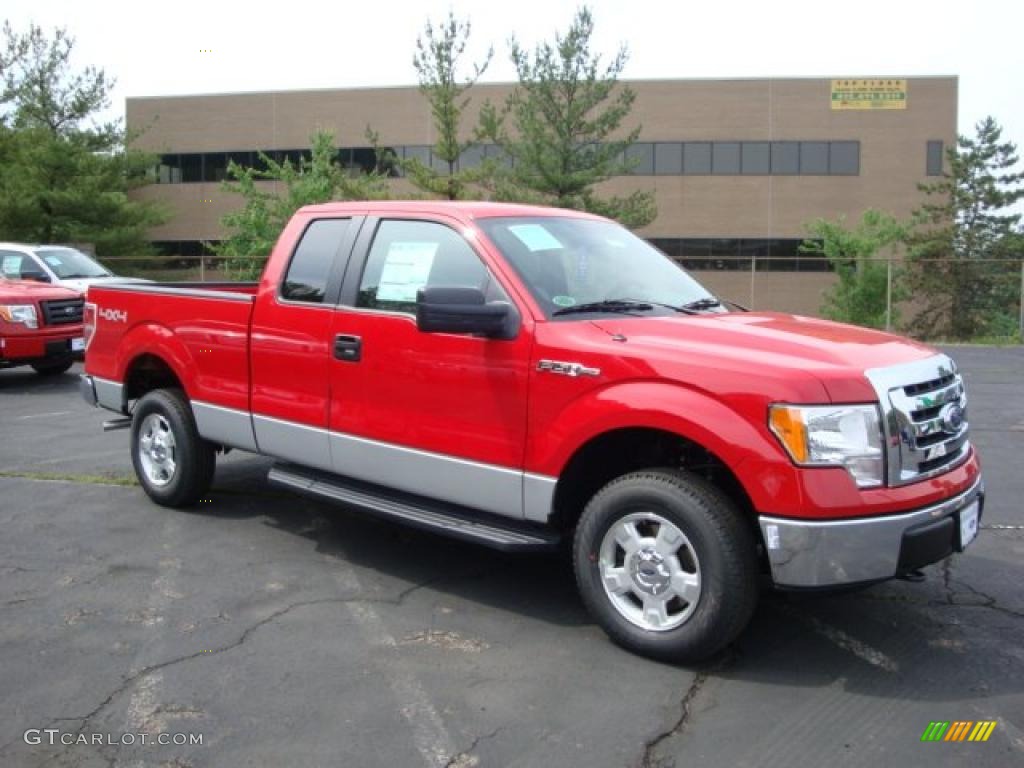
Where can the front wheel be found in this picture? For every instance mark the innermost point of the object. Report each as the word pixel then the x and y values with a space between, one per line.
pixel 666 564
pixel 173 463
pixel 53 367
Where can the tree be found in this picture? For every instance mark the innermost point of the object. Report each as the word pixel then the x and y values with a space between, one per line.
pixel 963 242
pixel 565 117
pixel 438 51
pixel 66 175
pixel 861 294
pixel 317 178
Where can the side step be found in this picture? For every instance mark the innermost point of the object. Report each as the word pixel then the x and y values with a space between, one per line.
pixel 447 520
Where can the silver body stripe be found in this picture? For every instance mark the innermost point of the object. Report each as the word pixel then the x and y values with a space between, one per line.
pixel 488 487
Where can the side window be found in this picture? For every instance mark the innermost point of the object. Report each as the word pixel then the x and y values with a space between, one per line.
pixel 409 255
pixel 306 279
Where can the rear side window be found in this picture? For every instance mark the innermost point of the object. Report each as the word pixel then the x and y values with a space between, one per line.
pixel 409 255
pixel 310 267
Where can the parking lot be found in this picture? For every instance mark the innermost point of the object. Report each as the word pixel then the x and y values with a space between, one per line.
pixel 290 632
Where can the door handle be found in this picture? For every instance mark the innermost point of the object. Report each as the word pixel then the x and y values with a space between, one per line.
pixel 348 348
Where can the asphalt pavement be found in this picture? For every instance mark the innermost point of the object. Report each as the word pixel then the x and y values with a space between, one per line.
pixel 282 631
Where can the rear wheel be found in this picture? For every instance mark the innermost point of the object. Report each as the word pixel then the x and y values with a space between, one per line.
pixel 53 367
pixel 174 464
pixel 666 565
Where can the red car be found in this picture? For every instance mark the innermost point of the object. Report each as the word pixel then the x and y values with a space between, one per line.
pixel 40 325
pixel 518 376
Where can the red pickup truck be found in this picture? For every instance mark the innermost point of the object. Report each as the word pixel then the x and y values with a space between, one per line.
pixel 519 376
pixel 40 325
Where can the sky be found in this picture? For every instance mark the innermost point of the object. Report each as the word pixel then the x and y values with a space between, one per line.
pixel 186 47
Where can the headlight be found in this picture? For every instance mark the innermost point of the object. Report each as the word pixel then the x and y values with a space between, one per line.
pixel 847 436
pixel 20 313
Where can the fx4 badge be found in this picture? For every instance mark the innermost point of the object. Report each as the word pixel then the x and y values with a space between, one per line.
pixel 567 369
pixel 113 315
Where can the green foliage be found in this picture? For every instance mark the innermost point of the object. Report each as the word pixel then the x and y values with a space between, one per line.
pixel 318 178
pixel 565 131
pixel 964 245
pixel 859 295
pixel 66 177
pixel 436 61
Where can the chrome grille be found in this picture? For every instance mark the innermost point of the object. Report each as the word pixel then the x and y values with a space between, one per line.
pixel 924 405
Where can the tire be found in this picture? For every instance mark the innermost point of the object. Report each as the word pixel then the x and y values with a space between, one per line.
pixel 173 463
pixel 53 368
pixel 688 583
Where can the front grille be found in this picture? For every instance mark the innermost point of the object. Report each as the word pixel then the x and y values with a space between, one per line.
pixel 63 311
pixel 925 409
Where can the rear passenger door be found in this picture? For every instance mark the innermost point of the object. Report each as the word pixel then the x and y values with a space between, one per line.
pixel 441 415
pixel 290 348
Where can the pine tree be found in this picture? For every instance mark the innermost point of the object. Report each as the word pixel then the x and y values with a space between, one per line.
pixel 960 254
pixel 564 133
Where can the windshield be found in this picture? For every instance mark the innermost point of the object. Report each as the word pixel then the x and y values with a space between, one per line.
pixel 67 263
pixel 572 264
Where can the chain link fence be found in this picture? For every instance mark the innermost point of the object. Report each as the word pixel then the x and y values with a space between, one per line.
pixel 781 284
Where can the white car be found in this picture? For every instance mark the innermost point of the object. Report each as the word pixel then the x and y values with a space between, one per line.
pixel 56 264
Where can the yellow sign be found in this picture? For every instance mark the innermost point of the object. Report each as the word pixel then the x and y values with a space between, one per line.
pixel 881 93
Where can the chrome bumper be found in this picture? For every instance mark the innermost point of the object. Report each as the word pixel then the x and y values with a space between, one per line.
pixel 101 393
pixel 805 553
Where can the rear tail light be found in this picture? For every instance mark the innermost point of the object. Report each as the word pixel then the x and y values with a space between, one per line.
pixel 89 323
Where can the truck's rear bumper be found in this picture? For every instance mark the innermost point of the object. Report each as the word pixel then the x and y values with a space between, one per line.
pixel 102 393
pixel 808 554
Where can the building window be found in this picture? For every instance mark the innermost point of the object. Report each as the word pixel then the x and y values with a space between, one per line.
pixel 668 158
pixel 697 158
pixel 813 158
pixel 741 254
pixel 844 158
pixel 725 158
pixel 933 163
pixel 785 158
pixel 639 159
pixel 755 158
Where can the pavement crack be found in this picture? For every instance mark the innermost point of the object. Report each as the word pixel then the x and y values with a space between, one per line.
pixel 464 757
pixel 649 758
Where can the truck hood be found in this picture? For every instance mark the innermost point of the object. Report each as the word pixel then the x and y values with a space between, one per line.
pixel 835 353
pixel 13 291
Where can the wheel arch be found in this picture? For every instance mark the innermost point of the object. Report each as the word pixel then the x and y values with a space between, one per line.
pixel 152 357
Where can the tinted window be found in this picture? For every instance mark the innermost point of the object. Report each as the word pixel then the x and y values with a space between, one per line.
pixel 814 158
pixel 409 255
pixel 306 279
pixel 697 157
pixel 934 160
pixel 786 158
pixel 756 157
pixel 725 157
pixel 640 159
pixel 668 159
pixel 844 158
pixel 471 157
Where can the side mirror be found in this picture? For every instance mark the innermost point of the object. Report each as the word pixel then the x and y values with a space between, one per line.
pixel 458 309
pixel 36 277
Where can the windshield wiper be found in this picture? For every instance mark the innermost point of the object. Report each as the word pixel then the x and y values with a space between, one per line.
pixel 608 305
pixel 700 305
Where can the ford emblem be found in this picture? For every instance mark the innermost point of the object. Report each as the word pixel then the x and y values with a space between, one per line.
pixel 952 418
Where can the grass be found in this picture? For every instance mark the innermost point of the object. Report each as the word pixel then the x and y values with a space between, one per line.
pixel 117 480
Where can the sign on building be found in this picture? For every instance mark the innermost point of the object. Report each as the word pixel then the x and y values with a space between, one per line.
pixel 882 93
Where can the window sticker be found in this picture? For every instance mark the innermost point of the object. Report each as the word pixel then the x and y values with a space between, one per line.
pixel 406 268
pixel 563 301
pixel 535 237
pixel 53 261
pixel 11 265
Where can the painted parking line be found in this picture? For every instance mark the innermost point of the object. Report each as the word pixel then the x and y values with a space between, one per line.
pixel 43 415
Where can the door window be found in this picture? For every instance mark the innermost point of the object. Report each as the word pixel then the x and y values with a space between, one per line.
pixel 409 255
pixel 310 267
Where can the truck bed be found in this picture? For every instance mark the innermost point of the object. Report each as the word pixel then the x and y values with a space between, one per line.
pixel 204 326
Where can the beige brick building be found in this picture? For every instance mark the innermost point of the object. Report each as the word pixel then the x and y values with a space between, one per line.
pixel 737 166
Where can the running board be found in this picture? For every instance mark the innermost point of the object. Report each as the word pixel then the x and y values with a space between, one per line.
pixel 447 520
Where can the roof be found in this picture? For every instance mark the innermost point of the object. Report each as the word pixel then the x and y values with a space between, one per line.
pixel 471 209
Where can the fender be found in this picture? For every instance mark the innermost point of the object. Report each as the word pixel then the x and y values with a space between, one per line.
pixel 674 408
pixel 159 341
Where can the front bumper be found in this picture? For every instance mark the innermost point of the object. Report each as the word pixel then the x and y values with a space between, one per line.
pixel 808 554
